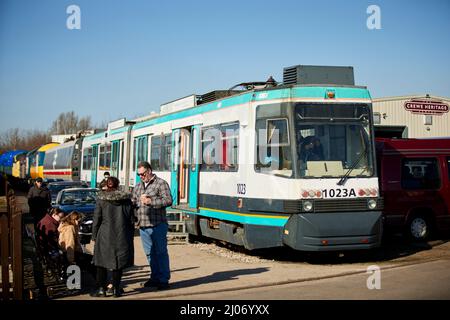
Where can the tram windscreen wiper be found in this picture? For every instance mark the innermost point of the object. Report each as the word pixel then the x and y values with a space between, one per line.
pixel 353 166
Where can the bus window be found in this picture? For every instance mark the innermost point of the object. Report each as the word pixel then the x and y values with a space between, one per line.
pixel 420 174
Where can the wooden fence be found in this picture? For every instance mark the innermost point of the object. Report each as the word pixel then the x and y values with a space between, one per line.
pixel 11 246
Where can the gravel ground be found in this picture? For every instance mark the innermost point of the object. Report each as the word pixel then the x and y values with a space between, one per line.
pixel 227 253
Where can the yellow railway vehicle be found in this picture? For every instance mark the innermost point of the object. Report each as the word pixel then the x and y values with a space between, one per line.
pixel 36 160
pixel 19 168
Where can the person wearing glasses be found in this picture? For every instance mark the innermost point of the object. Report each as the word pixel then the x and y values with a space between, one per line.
pixel 151 196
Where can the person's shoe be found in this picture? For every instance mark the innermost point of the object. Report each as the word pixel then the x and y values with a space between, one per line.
pixel 98 293
pixel 162 286
pixel 118 292
pixel 151 283
pixel 109 291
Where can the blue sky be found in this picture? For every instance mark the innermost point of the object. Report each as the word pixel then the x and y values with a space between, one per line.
pixel 131 56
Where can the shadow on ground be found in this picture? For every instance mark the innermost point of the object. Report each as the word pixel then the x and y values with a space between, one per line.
pixel 215 277
pixel 394 246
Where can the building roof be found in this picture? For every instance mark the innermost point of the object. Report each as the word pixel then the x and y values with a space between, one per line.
pixel 417 96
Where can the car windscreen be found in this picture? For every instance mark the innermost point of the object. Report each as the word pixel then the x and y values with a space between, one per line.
pixel 55 188
pixel 79 197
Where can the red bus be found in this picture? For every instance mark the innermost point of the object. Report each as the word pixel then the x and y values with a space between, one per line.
pixel 415 183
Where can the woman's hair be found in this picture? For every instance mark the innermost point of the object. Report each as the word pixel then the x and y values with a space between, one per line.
pixel 55 211
pixel 112 183
pixel 72 217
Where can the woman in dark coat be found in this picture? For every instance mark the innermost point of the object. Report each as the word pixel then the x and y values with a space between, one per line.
pixel 113 232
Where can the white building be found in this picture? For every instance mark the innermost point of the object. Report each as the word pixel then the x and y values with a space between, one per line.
pixel 420 116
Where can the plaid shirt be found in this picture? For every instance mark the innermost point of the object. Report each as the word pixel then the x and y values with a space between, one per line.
pixel 159 192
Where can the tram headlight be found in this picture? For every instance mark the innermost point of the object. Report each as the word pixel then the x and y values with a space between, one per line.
pixel 307 206
pixel 372 204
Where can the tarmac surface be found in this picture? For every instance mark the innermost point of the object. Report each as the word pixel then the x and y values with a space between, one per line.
pixel 209 271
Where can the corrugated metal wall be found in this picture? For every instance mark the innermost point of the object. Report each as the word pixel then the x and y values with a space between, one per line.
pixel 393 113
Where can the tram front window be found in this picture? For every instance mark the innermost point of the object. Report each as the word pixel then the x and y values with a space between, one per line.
pixel 332 140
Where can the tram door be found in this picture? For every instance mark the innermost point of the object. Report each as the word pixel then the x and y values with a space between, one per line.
pixel 115 151
pixel 180 181
pixel 94 166
pixel 194 167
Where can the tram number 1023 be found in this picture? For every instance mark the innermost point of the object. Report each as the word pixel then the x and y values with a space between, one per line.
pixel 241 188
pixel 338 193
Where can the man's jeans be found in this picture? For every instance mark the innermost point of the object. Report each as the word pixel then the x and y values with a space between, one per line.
pixel 154 241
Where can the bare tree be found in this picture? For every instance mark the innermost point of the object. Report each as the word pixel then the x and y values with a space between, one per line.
pixel 68 123
pixel 28 140
pixel 13 139
pixel 84 123
pixel 65 123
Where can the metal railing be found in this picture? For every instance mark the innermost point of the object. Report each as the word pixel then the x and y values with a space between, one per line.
pixel 11 246
pixel 177 227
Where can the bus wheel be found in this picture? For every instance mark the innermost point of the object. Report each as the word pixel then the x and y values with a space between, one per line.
pixel 418 228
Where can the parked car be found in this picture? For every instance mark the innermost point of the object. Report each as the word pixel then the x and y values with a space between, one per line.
pixel 82 200
pixel 415 185
pixel 57 186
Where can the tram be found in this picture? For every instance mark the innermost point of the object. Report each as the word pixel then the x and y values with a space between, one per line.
pixel 289 164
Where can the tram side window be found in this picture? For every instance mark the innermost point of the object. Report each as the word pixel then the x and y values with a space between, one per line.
pixel 160 154
pixel 273 147
pixel 140 146
pixel 87 158
pixel 122 151
pixel 155 154
pixel 420 174
pixel 115 158
pixel 210 154
pixel 134 154
pixel 167 152
pixel 230 147
pixel 220 148
pixel 105 157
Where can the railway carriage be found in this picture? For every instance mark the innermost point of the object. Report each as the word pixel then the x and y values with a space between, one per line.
pixel 36 158
pixel 62 162
pixel 107 151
